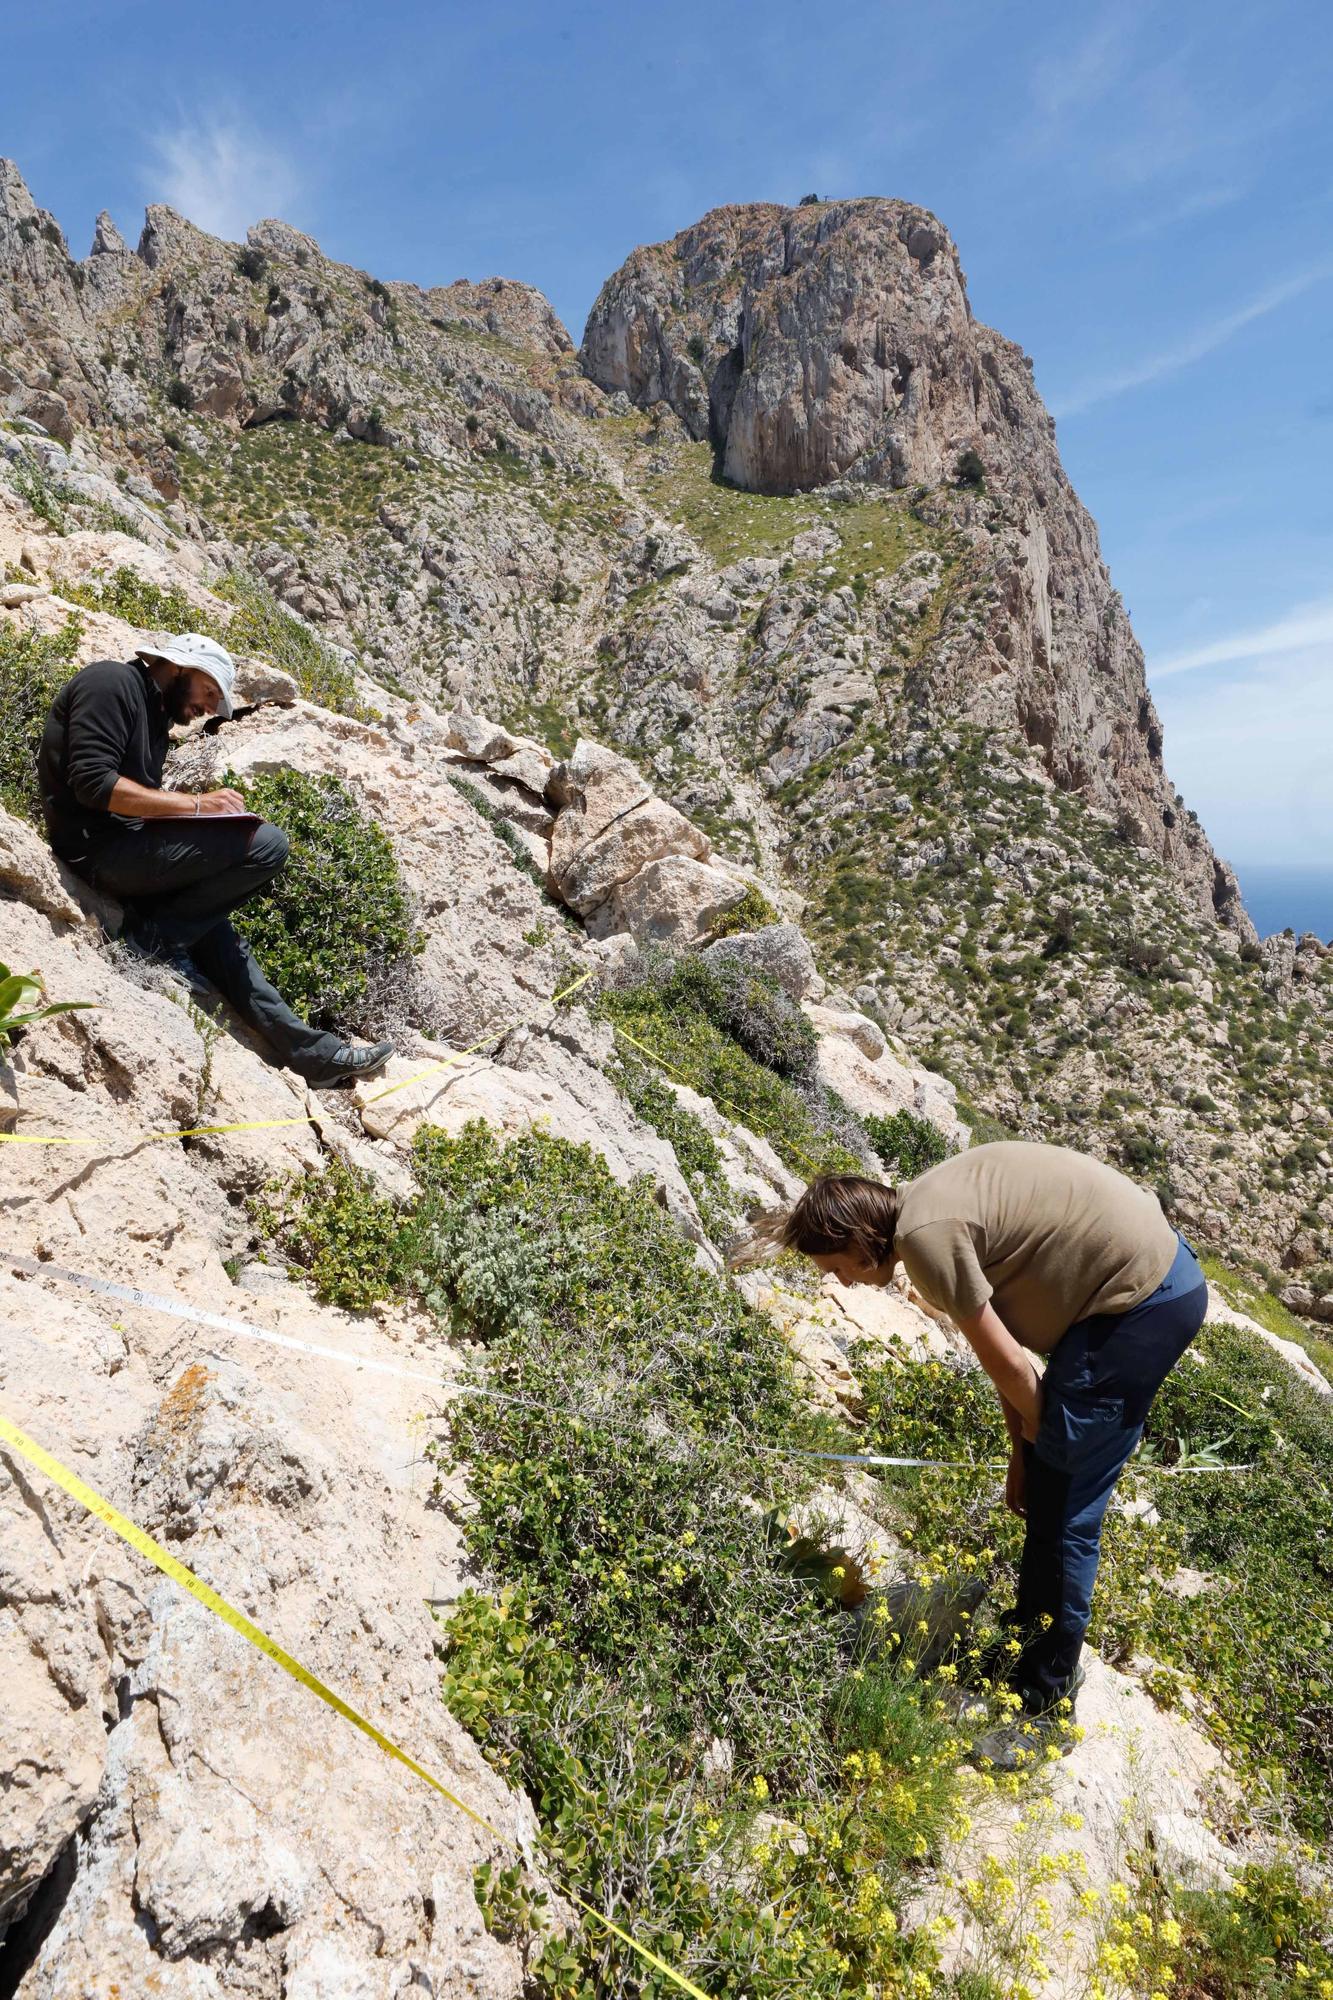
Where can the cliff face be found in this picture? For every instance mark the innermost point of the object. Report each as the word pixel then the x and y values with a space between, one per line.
pixel 793 532
pixel 835 342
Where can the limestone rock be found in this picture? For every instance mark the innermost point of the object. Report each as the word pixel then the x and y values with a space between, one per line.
pixel 1188 1853
pixel 609 828
pixel 780 952
pixel 858 1029
pixel 30 872
pixel 675 901
pixel 258 680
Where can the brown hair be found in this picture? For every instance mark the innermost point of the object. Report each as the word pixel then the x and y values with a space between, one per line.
pixel 837 1212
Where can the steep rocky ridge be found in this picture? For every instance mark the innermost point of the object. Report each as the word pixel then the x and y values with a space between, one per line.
pixel 176 1816
pixel 907 697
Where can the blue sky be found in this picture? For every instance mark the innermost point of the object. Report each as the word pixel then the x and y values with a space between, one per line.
pixel 1142 196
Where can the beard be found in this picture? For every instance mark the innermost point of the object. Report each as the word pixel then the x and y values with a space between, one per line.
pixel 176 698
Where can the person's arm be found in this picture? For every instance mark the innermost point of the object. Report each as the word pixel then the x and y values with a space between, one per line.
pixel 135 801
pixel 1010 1368
pixel 100 722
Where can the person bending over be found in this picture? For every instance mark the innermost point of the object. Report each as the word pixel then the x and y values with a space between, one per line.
pixel 1031 1250
pixel 179 861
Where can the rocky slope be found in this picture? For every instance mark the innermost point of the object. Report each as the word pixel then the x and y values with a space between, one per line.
pixel 794 533
pixel 175 1816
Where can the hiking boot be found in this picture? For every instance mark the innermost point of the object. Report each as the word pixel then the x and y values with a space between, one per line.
pixel 1033 1737
pixel 349 1065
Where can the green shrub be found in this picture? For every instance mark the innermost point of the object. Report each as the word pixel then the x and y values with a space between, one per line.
pixel 337 916
pixel 341 1230
pixel 745 1005
pixel 677 1011
pixel 754 912
pixel 33 669
pixel 125 594
pixel 1271 1937
pixel 907 1145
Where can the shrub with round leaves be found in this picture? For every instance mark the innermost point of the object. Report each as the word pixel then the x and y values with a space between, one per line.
pixel 338 914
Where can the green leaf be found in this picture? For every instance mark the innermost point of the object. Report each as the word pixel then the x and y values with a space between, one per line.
pixel 15 991
pixel 8 1021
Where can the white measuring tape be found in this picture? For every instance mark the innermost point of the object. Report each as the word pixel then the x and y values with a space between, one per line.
pixel 174 1308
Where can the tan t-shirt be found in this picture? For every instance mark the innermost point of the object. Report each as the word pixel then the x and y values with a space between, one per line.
pixel 1049 1236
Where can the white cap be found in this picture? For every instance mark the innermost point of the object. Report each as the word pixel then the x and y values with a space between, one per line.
pixel 193 649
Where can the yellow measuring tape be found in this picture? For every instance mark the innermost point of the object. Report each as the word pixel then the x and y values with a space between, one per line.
pixel 309 1117
pixel 152 1551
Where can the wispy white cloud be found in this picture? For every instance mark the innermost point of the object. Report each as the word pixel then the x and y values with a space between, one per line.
pixel 1183 354
pixel 1069 80
pixel 1188 208
pixel 1250 750
pixel 1306 627
pixel 222 174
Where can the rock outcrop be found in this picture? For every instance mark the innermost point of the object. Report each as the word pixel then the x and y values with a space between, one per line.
pixel 835 341
pixel 913 713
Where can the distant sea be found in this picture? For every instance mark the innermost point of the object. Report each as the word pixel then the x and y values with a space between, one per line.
pixel 1279 895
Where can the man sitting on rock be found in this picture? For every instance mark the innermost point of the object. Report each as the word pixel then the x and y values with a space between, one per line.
pixel 1029 1249
pixel 179 861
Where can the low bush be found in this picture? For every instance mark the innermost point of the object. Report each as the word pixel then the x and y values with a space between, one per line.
pixel 1271 1937
pixel 341 1231
pixel 33 669
pixel 754 912
pixel 337 917
pixel 125 594
pixel 733 1035
pixel 906 1144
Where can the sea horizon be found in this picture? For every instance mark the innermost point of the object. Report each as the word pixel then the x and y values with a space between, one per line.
pixel 1288 895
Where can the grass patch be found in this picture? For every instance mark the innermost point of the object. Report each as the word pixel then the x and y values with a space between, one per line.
pixel 877 534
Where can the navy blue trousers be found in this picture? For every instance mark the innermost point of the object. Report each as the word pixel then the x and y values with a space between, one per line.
pixel 1096 1393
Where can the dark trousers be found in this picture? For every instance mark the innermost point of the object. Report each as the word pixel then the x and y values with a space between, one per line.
pixel 1096 1393
pixel 179 879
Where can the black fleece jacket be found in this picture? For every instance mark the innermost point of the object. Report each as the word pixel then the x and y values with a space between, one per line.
pixel 107 723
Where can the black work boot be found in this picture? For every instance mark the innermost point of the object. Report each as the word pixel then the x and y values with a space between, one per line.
pixel 1033 1735
pixel 349 1065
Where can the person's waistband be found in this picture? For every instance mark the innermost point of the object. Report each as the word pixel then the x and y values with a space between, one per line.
pixel 1185 1274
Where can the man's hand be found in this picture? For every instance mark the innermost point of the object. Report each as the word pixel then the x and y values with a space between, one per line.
pixel 220 802
pixel 132 800
pixel 1016 1483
